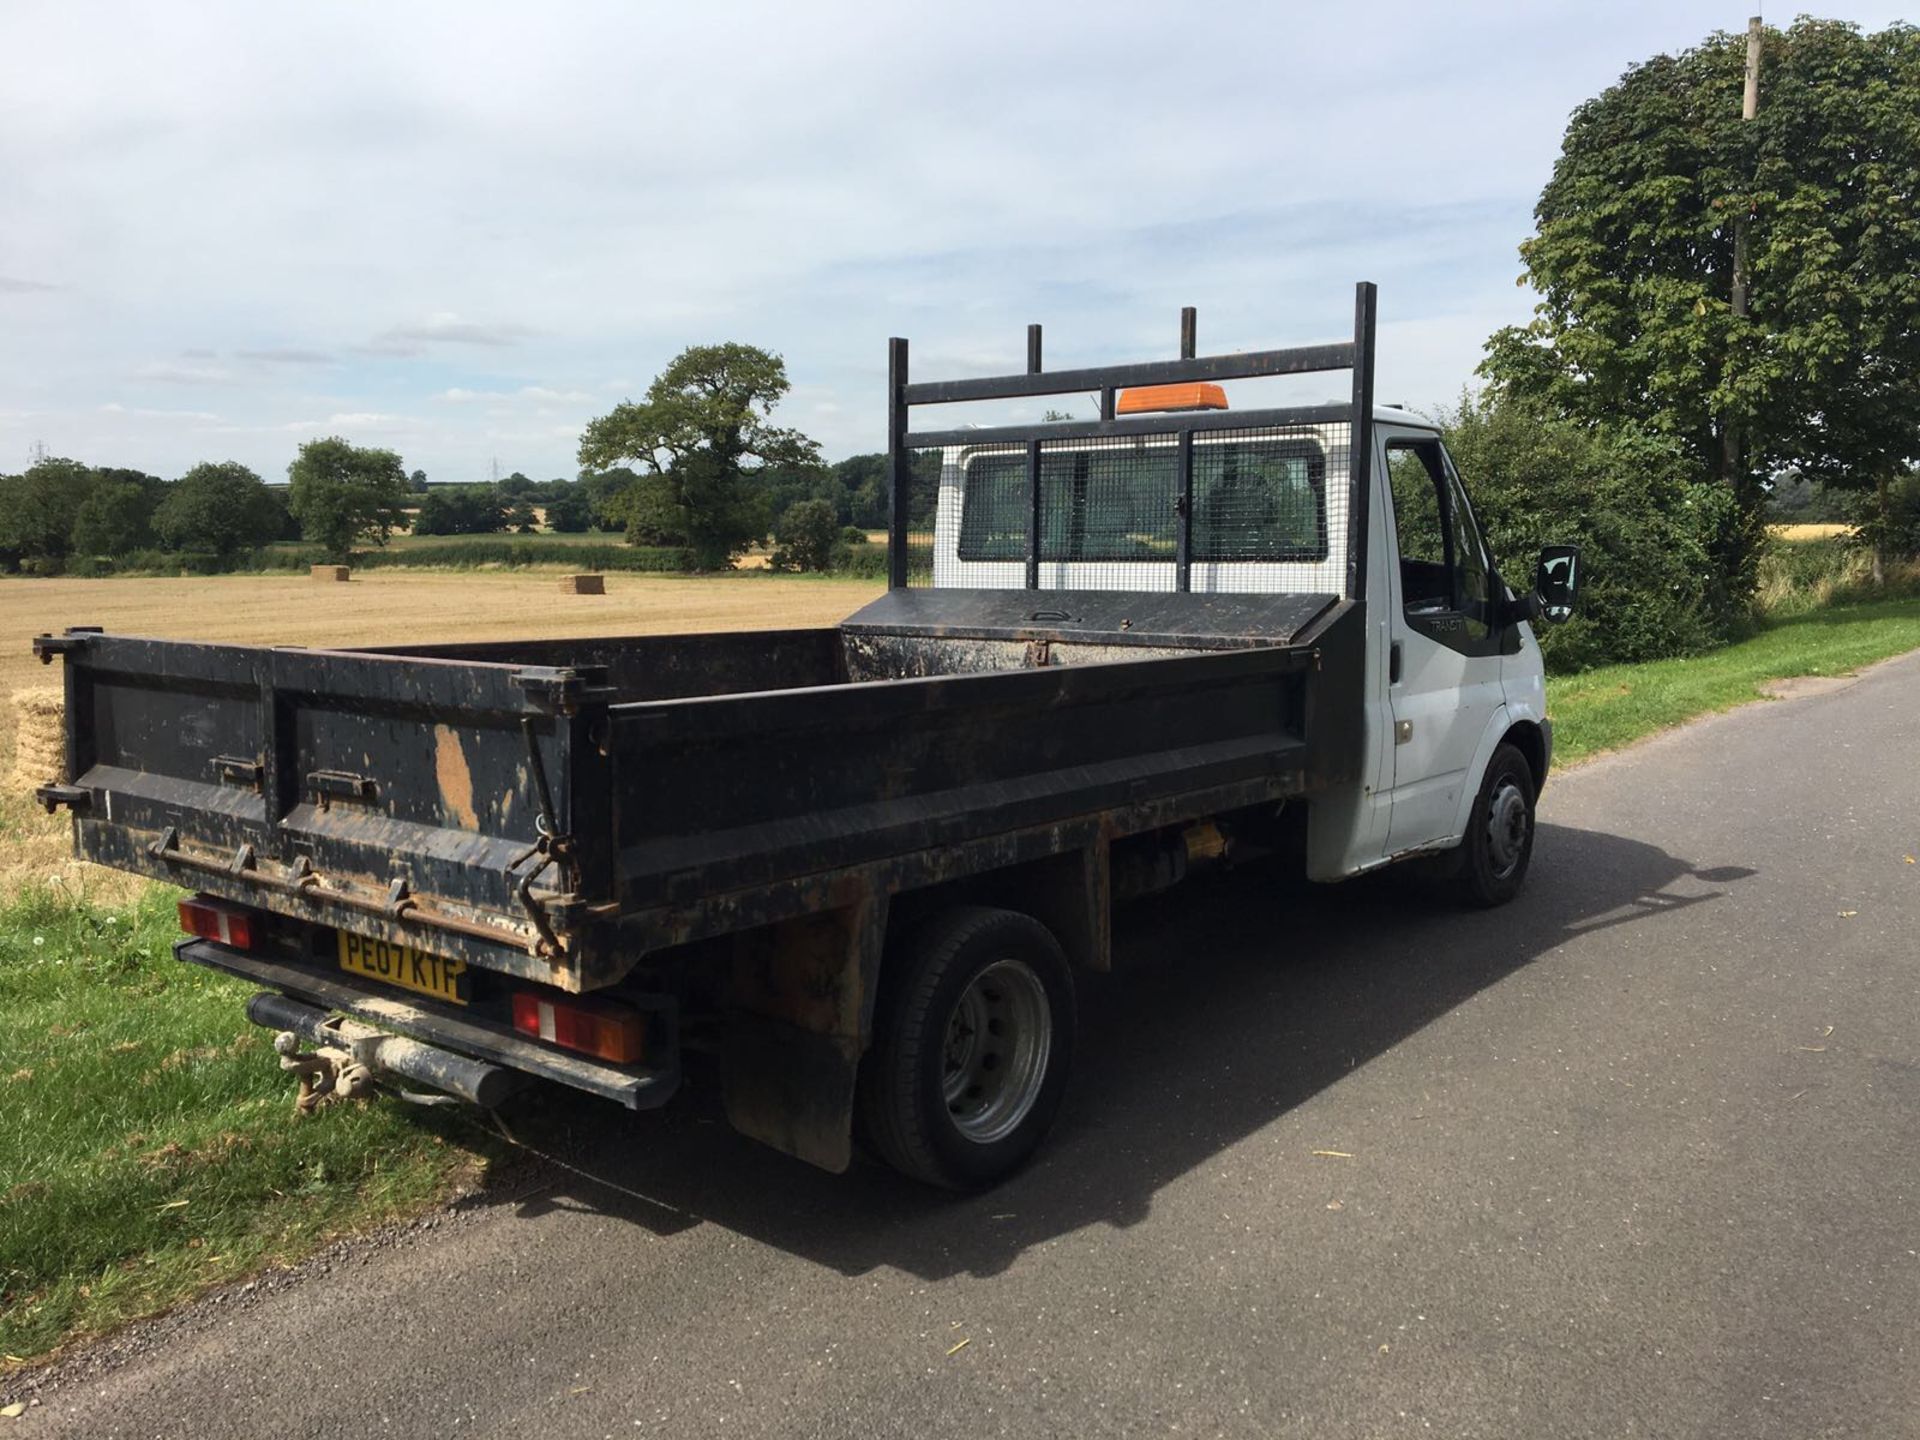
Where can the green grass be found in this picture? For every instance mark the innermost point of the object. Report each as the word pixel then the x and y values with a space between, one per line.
pixel 148 1146
pixel 1612 706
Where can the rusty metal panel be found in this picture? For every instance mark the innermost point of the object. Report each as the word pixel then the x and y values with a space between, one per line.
pixel 511 805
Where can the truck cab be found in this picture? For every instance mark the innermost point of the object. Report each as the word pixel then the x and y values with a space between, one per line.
pixel 1450 671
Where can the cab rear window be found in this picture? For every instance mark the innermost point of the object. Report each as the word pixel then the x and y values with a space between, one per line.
pixel 1253 500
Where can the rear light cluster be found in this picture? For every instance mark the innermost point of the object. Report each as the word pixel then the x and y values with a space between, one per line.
pixel 213 920
pixel 595 1027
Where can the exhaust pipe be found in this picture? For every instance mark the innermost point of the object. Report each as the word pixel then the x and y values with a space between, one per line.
pixel 474 1081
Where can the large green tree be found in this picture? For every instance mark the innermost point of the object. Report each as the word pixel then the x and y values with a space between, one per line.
pixel 38 509
pixel 220 508
pixel 344 494
pixel 1634 254
pixel 704 428
pixel 117 515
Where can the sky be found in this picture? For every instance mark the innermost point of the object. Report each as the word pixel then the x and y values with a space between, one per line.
pixel 461 231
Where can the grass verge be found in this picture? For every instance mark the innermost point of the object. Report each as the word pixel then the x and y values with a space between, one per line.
pixel 149 1149
pixel 1612 706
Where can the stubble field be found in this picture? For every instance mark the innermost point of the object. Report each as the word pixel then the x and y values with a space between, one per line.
pixel 378 608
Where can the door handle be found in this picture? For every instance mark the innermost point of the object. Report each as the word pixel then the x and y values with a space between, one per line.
pixel 1393 663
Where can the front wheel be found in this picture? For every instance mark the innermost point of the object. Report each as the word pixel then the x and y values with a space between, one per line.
pixel 973 1038
pixel 1494 854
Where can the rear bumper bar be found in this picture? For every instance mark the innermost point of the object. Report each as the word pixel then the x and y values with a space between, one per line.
pixel 638 1087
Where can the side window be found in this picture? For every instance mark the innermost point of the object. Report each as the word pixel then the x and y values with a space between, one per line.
pixel 1426 574
pixel 1470 560
pixel 1443 566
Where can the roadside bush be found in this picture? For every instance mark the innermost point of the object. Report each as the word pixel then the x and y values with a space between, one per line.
pixel 1799 576
pixel 1665 552
pixel 1898 529
pixel 853 535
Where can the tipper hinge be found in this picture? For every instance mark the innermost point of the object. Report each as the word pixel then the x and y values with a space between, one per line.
pixel 48 646
pixel 562 690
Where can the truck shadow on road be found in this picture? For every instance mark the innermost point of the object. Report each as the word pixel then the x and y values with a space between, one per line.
pixel 1233 1001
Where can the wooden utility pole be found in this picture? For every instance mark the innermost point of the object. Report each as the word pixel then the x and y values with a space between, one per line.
pixel 1742 287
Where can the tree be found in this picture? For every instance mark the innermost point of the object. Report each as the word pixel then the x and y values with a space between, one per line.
pixel 603 489
pixel 570 511
pixel 38 509
pixel 219 508
pixel 649 511
pixel 787 485
pixel 1633 260
pixel 805 535
pixel 417 482
pixel 704 429
pixel 460 510
pixel 522 518
pixel 115 519
pixel 864 478
pixel 345 493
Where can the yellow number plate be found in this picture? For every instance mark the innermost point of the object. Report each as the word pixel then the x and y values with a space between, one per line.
pixel 404 966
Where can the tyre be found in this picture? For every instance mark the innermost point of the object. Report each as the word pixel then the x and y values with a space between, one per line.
pixel 973 1039
pixel 1491 861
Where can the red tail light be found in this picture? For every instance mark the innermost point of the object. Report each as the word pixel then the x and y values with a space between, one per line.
pixel 596 1027
pixel 214 920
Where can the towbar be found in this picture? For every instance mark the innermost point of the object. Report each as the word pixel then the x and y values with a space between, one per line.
pixel 474 1081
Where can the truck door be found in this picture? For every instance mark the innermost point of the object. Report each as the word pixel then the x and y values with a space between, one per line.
pixel 1444 665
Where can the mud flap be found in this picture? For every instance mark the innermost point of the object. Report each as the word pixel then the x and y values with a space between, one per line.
pixel 791 1088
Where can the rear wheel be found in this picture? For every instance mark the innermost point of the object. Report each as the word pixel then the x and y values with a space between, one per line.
pixel 973 1038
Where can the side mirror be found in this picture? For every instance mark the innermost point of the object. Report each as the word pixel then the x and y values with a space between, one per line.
pixel 1556 582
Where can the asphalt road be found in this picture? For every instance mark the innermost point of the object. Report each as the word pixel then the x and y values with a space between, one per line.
pixel 1636 1156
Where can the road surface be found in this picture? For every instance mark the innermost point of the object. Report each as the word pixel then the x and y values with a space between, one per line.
pixel 1637 1156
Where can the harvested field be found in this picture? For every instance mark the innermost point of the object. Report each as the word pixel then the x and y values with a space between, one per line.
pixel 1810 530
pixel 378 607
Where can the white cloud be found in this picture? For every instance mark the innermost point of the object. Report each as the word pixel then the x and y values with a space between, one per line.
pixel 539 394
pixel 443 329
pixel 147 412
pixel 183 372
pixel 286 356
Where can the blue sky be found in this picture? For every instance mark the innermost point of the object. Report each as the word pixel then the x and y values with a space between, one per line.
pixel 463 230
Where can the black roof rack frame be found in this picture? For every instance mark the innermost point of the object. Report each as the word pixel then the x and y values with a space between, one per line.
pixel 1355 355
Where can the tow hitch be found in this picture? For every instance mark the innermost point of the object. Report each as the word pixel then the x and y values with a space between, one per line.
pixel 326 1076
pixel 348 1057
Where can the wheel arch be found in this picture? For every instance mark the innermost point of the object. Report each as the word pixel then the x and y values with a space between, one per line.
pixel 1530 739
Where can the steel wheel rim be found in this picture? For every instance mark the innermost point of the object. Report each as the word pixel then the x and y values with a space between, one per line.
pixel 1507 824
pixel 999 1039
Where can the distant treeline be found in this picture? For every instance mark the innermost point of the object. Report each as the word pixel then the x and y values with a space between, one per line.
pixel 344 502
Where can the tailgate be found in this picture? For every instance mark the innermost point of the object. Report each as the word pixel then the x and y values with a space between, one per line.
pixel 432 802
